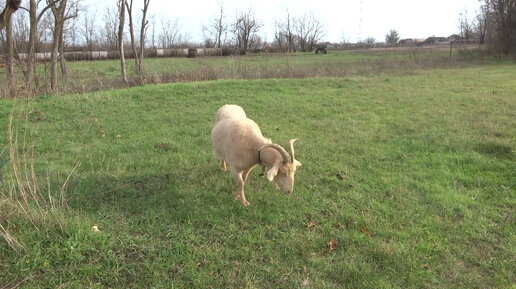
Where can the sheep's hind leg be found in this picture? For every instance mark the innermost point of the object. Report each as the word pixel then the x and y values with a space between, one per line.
pixel 239 194
pixel 223 165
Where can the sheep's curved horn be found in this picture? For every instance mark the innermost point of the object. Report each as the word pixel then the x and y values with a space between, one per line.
pixel 291 142
pixel 282 151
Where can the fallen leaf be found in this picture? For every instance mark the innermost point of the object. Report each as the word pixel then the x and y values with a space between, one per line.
pixel 338 225
pixel 426 266
pixel 366 231
pixel 311 224
pixel 331 245
pixel 95 229
pixel 388 195
pixel 118 136
pixel 103 133
pixel 339 176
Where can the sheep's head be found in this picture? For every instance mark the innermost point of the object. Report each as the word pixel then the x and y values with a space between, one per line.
pixel 283 173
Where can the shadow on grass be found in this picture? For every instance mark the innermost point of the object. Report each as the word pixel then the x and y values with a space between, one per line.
pixel 165 195
pixel 495 149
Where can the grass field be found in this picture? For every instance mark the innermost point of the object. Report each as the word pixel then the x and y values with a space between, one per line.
pixel 86 76
pixel 412 176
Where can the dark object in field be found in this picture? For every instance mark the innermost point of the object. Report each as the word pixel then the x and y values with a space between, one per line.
pixel 320 47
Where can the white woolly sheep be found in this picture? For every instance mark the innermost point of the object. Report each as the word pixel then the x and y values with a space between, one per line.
pixel 238 141
pixel 229 111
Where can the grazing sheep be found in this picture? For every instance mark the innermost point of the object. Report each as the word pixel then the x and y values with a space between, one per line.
pixel 229 111
pixel 238 141
pixel 225 112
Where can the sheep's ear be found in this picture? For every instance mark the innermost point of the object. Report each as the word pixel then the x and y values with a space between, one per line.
pixel 296 163
pixel 272 172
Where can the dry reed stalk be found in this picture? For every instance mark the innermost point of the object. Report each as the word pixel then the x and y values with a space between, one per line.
pixel 21 195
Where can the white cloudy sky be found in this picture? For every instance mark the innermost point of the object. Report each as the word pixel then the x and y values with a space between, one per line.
pixel 411 18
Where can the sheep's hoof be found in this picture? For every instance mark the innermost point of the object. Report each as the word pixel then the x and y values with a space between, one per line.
pixel 243 202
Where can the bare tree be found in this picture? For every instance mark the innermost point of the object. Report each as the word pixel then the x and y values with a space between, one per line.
pixel 153 35
pixel 138 56
pixel 20 32
pixel 286 32
pixel 121 9
pixel 244 27
pixel 169 33
pixel 71 12
pixel 392 38
pixel 34 19
pixel 345 40
pixel 482 23
pixel 143 32
pixel 111 25
pixel 45 30
pixel 6 21
pixel 255 43
pixel 61 13
pixel 465 26
pixel 10 7
pixel 217 28
pixel 88 31
pixel 309 31
pixel 504 12
pixel 71 27
pixel 279 38
pixel 129 6
pixel 368 42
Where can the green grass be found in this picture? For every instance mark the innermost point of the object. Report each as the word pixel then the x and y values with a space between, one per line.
pixel 86 76
pixel 418 170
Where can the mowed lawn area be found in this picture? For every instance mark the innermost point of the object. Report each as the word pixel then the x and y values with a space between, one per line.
pixel 408 181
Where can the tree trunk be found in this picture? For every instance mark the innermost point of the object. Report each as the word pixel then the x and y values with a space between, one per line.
pixel 121 40
pixel 129 7
pixel 11 80
pixel 10 7
pixel 142 34
pixel 57 44
pixel 62 59
pixel 54 57
pixel 31 54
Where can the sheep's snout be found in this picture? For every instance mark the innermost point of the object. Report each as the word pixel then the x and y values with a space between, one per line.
pixel 284 183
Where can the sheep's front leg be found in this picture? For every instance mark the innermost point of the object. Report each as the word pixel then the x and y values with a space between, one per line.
pixel 223 165
pixel 239 194
pixel 246 173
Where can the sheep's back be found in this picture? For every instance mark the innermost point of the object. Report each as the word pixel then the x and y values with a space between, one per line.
pixel 237 141
pixel 230 111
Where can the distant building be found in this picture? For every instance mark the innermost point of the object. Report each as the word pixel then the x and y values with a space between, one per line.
pixel 472 39
pixel 435 40
pixel 410 41
pixel 454 37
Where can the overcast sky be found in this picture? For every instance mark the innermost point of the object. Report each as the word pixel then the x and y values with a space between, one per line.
pixel 341 19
